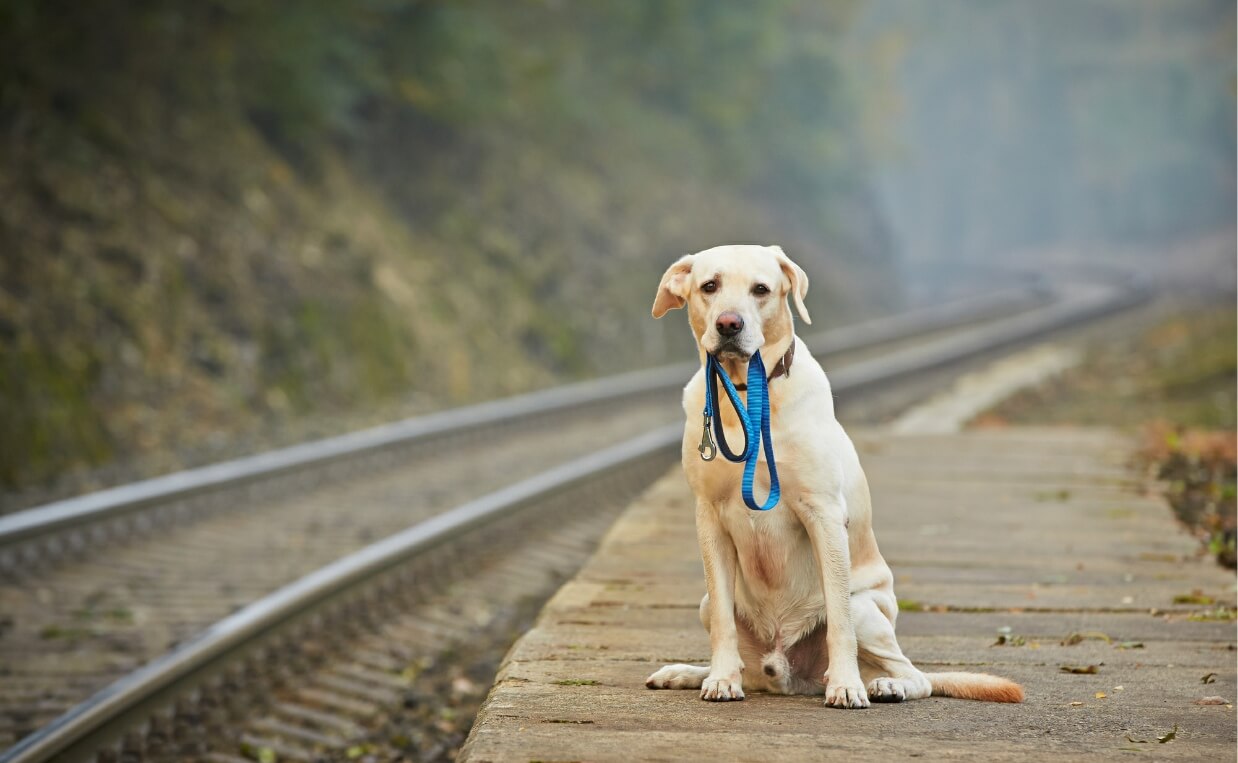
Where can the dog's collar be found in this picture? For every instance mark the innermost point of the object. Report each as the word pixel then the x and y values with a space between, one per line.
pixel 783 367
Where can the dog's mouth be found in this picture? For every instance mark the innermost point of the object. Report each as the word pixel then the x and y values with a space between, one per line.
pixel 729 349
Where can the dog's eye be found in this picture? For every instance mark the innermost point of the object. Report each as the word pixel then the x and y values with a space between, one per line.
pixel 709 287
pixel 760 290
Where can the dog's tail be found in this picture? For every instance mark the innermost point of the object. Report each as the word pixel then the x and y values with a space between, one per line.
pixel 981 686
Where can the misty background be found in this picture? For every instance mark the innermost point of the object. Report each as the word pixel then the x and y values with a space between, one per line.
pixel 227 225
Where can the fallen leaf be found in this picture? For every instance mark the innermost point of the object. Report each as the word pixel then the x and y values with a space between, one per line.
pixel 1221 614
pixel 1211 678
pixel 1212 701
pixel 1081 669
pixel 1008 640
pixel 1100 695
pixel 1079 638
pixel 1168 736
pixel 1194 597
pixel 1075 704
pixel 1128 645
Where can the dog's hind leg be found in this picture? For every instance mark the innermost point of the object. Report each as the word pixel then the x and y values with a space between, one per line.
pixel 677 677
pixel 680 676
pixel 888 674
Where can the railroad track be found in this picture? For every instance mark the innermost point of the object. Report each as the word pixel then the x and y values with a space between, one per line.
pixel 96 595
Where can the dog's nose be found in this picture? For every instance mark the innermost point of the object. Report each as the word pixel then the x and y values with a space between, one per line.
pixel 729 324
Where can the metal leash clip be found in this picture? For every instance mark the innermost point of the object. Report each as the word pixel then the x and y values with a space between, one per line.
pixel 707 449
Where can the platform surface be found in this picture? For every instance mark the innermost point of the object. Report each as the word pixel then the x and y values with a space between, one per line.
pixel 1039 532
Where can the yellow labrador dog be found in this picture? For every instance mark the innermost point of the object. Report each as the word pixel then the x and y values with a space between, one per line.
pixel 801 590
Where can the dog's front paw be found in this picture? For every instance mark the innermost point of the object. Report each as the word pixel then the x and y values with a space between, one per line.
pixel 847 693
pixel 722 688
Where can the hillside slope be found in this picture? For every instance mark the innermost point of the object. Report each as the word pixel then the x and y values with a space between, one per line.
pixel 220 219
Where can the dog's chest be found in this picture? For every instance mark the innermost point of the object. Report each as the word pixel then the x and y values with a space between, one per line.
pixel 769 545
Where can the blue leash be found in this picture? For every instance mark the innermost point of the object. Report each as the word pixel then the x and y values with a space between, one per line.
pixel 755 419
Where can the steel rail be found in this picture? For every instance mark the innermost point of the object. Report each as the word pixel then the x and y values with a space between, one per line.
pixel 80 732
pixel 1075 306
pixel 178 669
pixel 119 502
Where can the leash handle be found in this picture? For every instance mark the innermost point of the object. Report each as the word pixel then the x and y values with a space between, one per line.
pixel 755 418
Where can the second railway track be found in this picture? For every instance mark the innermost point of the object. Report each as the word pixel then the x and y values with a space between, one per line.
pixel 84 622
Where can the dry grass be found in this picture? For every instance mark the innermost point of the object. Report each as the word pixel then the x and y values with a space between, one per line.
pixel 1197 470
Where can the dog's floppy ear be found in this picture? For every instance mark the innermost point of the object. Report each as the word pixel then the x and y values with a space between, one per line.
pixel 799 281
pixel 673 291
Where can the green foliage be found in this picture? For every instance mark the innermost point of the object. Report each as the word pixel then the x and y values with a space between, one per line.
pixel 725 90
pixel 220 215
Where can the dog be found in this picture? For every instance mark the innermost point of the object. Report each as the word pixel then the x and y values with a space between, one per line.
pixel 801 590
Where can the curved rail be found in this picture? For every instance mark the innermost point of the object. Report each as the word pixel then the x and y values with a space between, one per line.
pixel 1075 305
pixel 102 719
pixel 22 532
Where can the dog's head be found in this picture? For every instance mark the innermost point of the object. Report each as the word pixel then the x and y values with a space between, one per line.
pixel 736 297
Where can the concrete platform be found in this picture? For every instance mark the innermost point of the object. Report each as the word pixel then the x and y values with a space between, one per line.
pixel 1037 531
